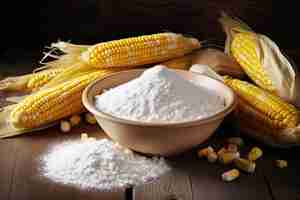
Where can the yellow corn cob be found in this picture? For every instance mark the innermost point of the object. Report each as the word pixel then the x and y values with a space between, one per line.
pixel 41 78
pixel 52 104
pixel 245 49
pixel 139 50
pixel 275 112
pixel 29 82
pixel 184 62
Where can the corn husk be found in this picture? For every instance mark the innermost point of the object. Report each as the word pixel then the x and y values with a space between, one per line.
pixel 251 122
pixel 184 62
pixel 218 61
pixel 8 130
pixel 278 68
pixel 214 58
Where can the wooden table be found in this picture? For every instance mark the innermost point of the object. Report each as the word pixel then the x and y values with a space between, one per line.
pixel 190 178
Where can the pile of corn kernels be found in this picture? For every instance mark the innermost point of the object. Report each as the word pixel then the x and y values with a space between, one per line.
pixel 229 154
pixel 66 125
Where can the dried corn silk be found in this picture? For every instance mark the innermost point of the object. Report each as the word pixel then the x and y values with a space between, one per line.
pixel 98 164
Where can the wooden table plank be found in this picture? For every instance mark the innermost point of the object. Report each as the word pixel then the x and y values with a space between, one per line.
pixel 27 183
pixel 7 165
pixel 171 186
pixel 283 183
pixel 207 184
pixel 205 181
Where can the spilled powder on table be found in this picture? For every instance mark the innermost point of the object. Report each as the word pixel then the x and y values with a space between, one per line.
pixel 99 165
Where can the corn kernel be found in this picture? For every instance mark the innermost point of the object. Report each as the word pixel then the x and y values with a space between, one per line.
pixel 205 151
pixel 232 148
pixel 255 153
pixel 281 163
pixel 65 126
pixel 128 151
pixel 212 157
pixel 84 136
pixel 75 120
pixel 236 140
pixel 91 139
pixel 245 165
pixel 230 175
pixel 228 157
pixel 221 151
pixel 89 118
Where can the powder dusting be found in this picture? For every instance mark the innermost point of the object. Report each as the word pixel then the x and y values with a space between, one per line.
pixel 160 95
pixel 100 165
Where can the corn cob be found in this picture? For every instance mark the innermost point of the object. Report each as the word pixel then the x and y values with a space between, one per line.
pixel 245 49
pixel 261 59
pixel 273 110
pixel 52 104
pixel 29 82
pixel 141 50
pixel 184 62
pixel 41 78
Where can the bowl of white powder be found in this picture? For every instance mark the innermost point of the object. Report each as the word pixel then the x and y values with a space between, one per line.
pixel 159 111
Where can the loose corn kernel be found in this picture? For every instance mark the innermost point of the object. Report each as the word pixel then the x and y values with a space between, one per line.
pixel 89 118
pixel 128 151
pixel 228 157
pixel 236 140
pixel 232 148
pixel 65 126
pixel 221 151
pixel 281 163
pixel 255 153
pixel 212 157
pixel 84 136
pixel 245 165
pixel 230 175
pixel 205 151
pixel 75 120
pixel 91 139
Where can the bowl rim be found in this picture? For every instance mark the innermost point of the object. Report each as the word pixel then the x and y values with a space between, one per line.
pixel 213 117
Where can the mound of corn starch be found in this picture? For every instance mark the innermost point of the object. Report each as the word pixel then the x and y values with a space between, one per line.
pixel 160 95
pixel 99 165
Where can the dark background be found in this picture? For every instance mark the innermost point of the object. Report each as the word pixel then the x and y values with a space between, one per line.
pixel 34 24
